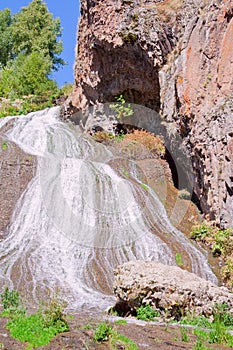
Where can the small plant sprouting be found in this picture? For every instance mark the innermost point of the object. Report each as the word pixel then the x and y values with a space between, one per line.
pixel 144 186
pixel 53 314
pixel 179 260
pixel 103 331
pixel 121 108
pixel 184 334
pixel 4 146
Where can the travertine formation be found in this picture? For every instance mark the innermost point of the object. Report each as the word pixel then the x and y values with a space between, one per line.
pixel 16 170
pixel 170 289
pixel 175 57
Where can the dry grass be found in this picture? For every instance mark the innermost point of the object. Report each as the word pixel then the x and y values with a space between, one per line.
pixel 151 142
pixel 167 9
pixel 102 136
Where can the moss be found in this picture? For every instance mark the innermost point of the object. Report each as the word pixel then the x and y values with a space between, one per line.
pixel 129 37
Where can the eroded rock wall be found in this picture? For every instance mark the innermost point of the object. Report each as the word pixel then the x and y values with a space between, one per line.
pixel 174 57
pixel 198 79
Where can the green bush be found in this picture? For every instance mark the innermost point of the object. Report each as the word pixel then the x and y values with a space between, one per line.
pixel 146 313
pixel 200 233
pixel 121 108
pixel 28 75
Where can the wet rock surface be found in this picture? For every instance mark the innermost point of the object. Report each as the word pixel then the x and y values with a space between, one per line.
pixel 16 170
pixel 172 290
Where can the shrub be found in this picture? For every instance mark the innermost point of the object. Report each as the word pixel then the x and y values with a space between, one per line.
pixel 199 233
pixel 121 108
pixel 102 136
pixel 146 313
pixel 103 331
pixel 221 243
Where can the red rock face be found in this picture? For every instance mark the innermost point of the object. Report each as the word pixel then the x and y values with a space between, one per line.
pixel 175 57
pixel 204 93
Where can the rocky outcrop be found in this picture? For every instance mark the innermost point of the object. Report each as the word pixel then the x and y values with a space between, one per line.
pixel 169 289
pixel 175 57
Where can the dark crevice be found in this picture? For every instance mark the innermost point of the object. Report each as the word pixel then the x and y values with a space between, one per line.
pixel 173 168
pixel 229 15
pixel 196 201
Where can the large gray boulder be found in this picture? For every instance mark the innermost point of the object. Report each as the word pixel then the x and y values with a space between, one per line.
pixel 175 292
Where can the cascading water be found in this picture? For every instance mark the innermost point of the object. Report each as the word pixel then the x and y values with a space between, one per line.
pixel 79 218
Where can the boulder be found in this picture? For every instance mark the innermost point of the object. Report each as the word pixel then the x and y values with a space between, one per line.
pixel 173 291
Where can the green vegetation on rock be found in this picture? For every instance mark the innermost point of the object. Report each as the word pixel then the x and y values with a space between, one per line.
pixel 122 109
pixel 220 242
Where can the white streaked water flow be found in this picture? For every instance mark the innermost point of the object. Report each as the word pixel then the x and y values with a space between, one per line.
pixel 79 219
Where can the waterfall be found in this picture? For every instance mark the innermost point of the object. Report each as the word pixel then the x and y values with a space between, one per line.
pixel 79 218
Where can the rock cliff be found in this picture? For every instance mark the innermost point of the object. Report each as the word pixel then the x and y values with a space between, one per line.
pixel 174 57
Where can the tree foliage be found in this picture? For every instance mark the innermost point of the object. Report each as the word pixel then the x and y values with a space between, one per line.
pixel 34 29
pixel 30 46
pixel 27 76
pixel 5 37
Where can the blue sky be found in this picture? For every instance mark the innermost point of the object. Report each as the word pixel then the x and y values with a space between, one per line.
pixel 68 11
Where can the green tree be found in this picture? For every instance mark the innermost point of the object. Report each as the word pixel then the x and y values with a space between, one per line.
pixel 5 37
pixel 35 30
pixel 28 75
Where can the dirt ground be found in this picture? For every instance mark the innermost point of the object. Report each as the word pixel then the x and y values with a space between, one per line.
pixel 146 335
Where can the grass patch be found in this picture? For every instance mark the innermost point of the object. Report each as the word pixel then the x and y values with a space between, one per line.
pixel 120 322
pixel 216 329
pixel 184 334
pixel 37 329
pixel 33 329
pixel 104 332
pixel 119 341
